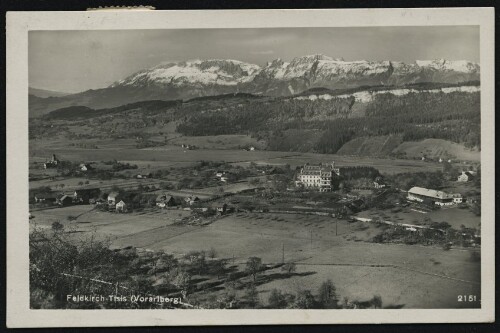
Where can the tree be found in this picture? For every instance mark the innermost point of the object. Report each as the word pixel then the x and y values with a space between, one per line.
pixel 327 295
pixel 304 300
pixel 377 301
pixel 253 266
pixel 218 267
pixel 57 226
pixel 277 300
pixel 182 280
pixel 252 295
pixel 212 253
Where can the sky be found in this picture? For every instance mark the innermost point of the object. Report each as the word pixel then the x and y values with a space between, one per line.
pixel 75 61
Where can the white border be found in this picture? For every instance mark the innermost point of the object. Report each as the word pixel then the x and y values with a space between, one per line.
pixel 19 23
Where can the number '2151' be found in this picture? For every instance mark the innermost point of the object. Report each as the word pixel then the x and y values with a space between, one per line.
pixel 466 298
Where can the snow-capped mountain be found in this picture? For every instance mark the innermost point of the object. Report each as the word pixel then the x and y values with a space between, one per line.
pixel 197 72
pixel 196 78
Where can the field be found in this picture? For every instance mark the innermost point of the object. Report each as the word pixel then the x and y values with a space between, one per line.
pixel 176 156
pixel 437 148
pixel 232 141
pixel 453 216
pixel 371 146
pixel 407 276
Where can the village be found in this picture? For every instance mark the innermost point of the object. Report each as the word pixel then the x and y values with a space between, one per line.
pixel 219 189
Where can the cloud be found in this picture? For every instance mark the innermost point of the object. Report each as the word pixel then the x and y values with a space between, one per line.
pixel 264 52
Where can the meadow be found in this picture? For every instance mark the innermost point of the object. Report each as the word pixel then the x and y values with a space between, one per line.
pixel 405 276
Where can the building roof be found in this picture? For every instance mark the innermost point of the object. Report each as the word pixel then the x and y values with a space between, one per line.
pixel 164 197
pixel 113 194
pixel 429 193
pixel 64 197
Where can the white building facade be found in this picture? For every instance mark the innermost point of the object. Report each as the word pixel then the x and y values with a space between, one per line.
pixel 318 176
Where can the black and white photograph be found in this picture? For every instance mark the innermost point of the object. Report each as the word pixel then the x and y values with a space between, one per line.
pixel 312 167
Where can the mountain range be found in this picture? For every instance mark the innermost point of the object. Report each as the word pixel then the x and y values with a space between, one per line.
pixel 197 78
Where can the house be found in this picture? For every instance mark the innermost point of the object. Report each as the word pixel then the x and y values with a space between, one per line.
pixel 222 209
pixel 165 200
pixel 219 174
pixel 121 207
pixel 85 167
pixel 96 201
pixel 52 163
pixel 85 195
pixel 318 176
pixel 378 183
pixel 45 197
pixel 191 200
pixel 251 148
pixel 112 198
pixel 420 194
pixel 65 200
pixel 465 176
pixel 457 198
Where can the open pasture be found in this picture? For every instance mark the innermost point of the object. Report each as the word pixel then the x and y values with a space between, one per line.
pixel 176 156
pixel 406 276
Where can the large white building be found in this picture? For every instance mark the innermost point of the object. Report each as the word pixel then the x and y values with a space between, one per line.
pixel 440 198
pixel 319 176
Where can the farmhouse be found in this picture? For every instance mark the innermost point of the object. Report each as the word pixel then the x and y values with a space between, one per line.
pixel 85 167
pixel 52 163
pixel 165 200
pixel 318 176
pixel 64 200
pixel 112 198
pixel 465 176
pixel 191 200
pixel 378 183
pixel 121 207
pixel 221 209
pixel 85 195
pixel 457 198
pixel 420 194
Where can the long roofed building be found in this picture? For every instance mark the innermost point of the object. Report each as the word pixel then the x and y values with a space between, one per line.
pixel 440 198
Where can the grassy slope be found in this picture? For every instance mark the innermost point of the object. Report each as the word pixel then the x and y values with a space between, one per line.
pixel 371 146
pixel 436 148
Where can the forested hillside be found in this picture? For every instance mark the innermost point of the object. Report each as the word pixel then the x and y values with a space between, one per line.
pixel 452 116
pixel 313 123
